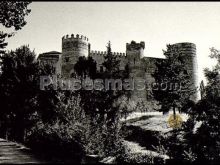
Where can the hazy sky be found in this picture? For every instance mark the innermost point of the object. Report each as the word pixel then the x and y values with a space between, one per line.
pixel 156 23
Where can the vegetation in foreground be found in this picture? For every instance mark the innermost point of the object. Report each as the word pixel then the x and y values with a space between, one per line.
pixel 83 123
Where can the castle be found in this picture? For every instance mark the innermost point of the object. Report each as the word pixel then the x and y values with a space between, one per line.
pixel 141 67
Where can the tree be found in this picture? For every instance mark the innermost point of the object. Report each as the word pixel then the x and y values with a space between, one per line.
pixel 205 137
pixel 38 118
pixel 173 74
pixel 3 44
pixel 12 14
pixel 101 105
pixel 85 67
pixel 18 85
pixel 62 130
pixel 109 101
pixel 111 63
pixel 200 135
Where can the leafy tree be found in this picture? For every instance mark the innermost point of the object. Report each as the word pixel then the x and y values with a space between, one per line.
pixel 40 118
pixel 200 135
pixel 20 95
pixel 18 83
pixel 204 118
pixel 111 63
pixel 12 14
pixel 101 105
pixel 112 71
pixel 3 44
pixel 173 81
pixel 63 131
pixel 85 67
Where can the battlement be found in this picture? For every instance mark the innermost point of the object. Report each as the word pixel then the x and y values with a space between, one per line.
pixel 94 52
pixel 74 37
pixel 135 46
pixel 186 45
pixel 102 53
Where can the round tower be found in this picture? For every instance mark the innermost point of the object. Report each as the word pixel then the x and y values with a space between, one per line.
pixel 72 48
pixel 189 49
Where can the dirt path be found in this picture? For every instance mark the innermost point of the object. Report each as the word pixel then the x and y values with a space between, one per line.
pixel 14 153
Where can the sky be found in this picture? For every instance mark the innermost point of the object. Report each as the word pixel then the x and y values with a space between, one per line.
pixel 155 23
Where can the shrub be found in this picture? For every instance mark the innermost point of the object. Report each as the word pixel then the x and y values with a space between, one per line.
pixel 127 156
pixel 63 134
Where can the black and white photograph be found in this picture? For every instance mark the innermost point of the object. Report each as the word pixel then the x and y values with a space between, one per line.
pixel 109 82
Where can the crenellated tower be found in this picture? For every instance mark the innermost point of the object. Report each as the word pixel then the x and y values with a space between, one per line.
pixel 134 52
pixel 72 48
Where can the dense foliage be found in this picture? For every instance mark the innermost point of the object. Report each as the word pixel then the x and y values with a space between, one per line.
pixel 102 107
pixel 198 140
pixel 174 86
pixel 12 14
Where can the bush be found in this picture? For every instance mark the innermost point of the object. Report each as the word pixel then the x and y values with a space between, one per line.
pixel 58 140
pixel 63 134
pixel 102 140
pixel 127 156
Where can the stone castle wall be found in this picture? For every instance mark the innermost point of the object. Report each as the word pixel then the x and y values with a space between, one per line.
pixel 98 56
pixel 141 67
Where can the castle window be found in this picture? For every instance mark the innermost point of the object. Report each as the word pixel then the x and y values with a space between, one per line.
pixel 134 60
pixel 67 59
